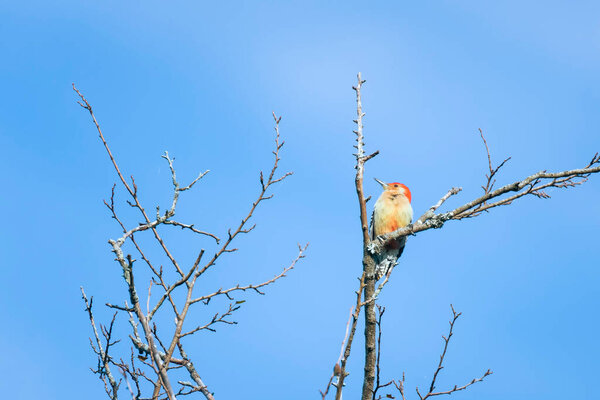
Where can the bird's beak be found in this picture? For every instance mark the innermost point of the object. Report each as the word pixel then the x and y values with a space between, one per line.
pixel 381 183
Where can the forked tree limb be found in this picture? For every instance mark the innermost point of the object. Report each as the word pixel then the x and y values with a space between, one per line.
pixel 156 354
pixel 456 388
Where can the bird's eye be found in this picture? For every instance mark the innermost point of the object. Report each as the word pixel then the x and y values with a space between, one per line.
pixel 395 185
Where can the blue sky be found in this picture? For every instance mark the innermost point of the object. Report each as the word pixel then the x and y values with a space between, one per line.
pixel 200 80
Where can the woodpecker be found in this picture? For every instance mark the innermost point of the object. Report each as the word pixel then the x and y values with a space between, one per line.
pixel 392 211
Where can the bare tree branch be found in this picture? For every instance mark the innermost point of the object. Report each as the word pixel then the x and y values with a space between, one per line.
pixel 355 314
pixel 337 369
pixel 271 180
pixel 431 212
pixel 129 370
pixel 127 266
pixel 216 319
pixel 440 366
pixel 155 354
pixel 255 287
pixel 133 192
pixel 361 159
pixel 194 374
pixel 368 280
pixel 400 386
pixel 531 185
pixel 101 351
pixel 490 181
pixel 378 385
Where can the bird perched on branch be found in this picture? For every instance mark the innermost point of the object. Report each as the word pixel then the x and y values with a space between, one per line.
pixel 392 211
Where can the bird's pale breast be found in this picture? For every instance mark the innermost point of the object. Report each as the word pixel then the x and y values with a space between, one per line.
pixel 391 213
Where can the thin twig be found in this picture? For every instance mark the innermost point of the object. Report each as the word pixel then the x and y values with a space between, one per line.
pixel 255 287
pixel 378 385
pixel 133 192
pixel 355 314
pixel 271 180
pixel 440 366
pixel 104 359
pixel 337 369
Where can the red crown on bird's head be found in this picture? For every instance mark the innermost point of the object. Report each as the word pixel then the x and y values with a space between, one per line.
pixel 405 188
pixel 396 187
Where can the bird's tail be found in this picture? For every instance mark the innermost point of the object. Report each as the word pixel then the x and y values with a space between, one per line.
pixel 387 261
